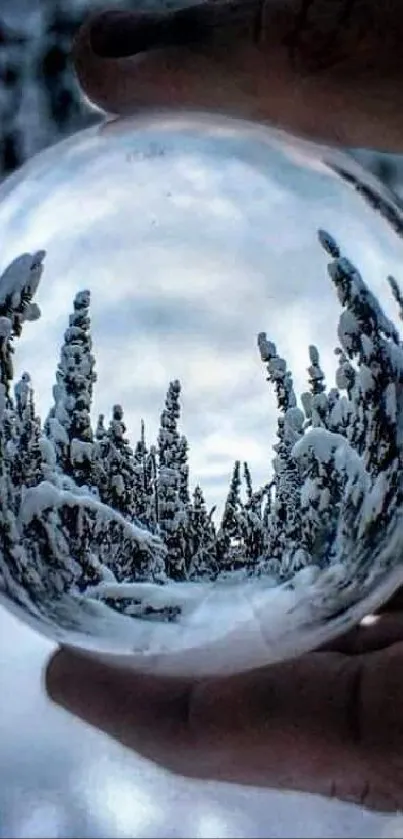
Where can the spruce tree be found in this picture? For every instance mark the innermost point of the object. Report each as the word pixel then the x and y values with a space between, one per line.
pixel 254 536
pixel 230 532
pixel 18 285
pixel 69 423
pixel 171 509
pixel 285 522
pixel 143 483
pixel 118 467
pixel 201 538
pixel 27 460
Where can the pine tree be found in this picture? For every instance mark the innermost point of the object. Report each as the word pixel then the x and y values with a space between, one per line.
pixel 144 482
pixel 229 533
pixel 153 490
pixel 351 490
pixel 254 536
pixel 118 466
pixel 315 401
pixel 27 454
pixel 69 422
pixel 285 523
pixel 201 537
pixel 171 509
pixel 18 285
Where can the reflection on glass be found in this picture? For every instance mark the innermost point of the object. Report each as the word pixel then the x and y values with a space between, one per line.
pixel 201 398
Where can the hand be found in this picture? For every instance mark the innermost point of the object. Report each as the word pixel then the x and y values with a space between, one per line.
pixel 328 69
pixel 330 722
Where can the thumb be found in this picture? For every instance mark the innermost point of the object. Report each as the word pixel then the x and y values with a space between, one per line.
pixel 327 70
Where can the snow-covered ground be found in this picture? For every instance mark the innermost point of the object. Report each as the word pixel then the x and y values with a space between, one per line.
pixel 59 779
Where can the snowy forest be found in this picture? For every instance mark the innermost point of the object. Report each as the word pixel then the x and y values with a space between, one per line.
pixel 82 506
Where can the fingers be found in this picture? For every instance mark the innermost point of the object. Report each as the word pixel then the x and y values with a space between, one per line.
pixel 318 724
pixel 329 70
pixel 395 604
pixel 377 633
pixel 144 713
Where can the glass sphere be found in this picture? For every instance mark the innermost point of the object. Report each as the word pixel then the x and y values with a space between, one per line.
pixel 201 393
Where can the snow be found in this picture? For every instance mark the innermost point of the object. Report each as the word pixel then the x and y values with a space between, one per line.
pixel 329 243
pixel 366 379
pixel 47 451
pixel 46 496
pixel 367 345
pixel 5 327
pixel 24 272
pixel 57 431
pixel 267 348
pixel 348 330
pixel 320 443
pixel 391 402
pixel 80 451
pixel 309 492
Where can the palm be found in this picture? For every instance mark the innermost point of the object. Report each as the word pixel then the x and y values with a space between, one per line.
pixel 329 722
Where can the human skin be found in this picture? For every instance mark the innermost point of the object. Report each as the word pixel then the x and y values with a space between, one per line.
pixel 327 69
pixel 331 721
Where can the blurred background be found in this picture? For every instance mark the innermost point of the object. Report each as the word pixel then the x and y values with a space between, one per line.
pixel 39 99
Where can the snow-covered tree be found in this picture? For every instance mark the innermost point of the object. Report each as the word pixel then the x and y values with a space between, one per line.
pixel 183 449
pixel 69 422
pixel 18 285
pixel 229 534
pixel 27 458
pixel 201 540
pixel 144 482
pixel 172 511
pixel 285 524
pixel 351 489
pixel 118 465
pixel 253 530
pixel 75 541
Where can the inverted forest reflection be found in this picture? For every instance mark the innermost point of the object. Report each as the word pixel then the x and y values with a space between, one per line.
pixel 113 543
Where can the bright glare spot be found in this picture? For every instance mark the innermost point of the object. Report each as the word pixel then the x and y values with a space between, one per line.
pixel 369 620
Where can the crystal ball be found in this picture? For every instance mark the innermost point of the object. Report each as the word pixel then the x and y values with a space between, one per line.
pixel 201 393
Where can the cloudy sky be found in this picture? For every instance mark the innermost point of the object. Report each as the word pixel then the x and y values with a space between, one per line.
pixel 192 237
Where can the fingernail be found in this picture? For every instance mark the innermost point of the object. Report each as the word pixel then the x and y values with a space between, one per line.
pixel 120 34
